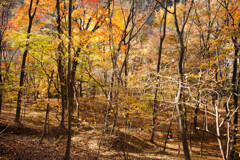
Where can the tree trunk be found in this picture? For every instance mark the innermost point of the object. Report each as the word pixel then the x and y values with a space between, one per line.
pixel 60 68
pixel 73 73
pixel 181 118
pixel 196 115
pixel 228 130
pixel 218 132
pixel 19 99
pixel 154 117
pixel 202 137
pixel 126 68
pixel 69 84
pixel 1 85
pixel 109 104
pixel 63 95
pixel 113 58
pixel 47 109
pixel 155 105
pixel 179 107
pixel 76 94
pixel 235 102
pixel 195 118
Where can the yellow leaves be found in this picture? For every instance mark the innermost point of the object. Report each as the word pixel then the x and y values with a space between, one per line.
pixel 159 17
pixel 36 44
pixel 81 38
pixel 100 58
pixel 97 37
pixel 78 12
pixel 18 39
pixel 101 13
pixel 118 19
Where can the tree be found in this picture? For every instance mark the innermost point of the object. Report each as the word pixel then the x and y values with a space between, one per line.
pixel 181 118
pixel 182 49
pixel 31 16
pixel 128 28
pixel 233 23
pixel 163 23
pixel 69 82
pixel 111 46
pixel 60 65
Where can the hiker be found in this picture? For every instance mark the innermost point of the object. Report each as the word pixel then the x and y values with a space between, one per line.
pixel 170 136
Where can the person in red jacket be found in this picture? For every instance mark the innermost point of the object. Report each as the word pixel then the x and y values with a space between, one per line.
pixel 170 135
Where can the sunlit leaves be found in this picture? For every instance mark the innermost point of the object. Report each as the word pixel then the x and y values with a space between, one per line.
pixel 35 43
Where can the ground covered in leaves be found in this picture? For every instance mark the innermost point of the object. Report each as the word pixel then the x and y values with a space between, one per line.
pixel 21 141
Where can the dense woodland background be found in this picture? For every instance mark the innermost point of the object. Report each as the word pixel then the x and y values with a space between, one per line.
pixel 111 79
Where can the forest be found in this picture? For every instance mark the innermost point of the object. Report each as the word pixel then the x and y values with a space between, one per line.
pixel 119 79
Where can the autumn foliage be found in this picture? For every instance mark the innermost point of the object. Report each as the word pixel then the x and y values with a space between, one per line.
pixel 132 62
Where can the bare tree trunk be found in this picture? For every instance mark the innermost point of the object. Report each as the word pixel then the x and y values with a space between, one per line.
pixel 114 58
pixel 109 104
pixel 218 133
pixel 78 105
pixel 1 85
pixel 162 37
pixel 179 108
pixel 22 74
pixel 60 67
pixel 126 69
pixel 235 100
pixel 178 100
pixel 195 117
pixel 81 88
pixel 228 131
pixel 203 136
pixel 190 134
pixel 69 84
pixel 47 109
pixel 181 122
pixel 1 53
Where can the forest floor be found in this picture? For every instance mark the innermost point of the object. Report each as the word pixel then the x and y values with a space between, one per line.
pixel 21 141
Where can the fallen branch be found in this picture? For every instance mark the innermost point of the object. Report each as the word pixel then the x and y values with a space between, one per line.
pixel 7 127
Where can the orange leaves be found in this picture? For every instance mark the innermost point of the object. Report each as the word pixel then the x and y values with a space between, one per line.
pixel 93 5
pixel 46 7
pixel 21 20
pixel 90 2
pixel 86 2
pixel 78 12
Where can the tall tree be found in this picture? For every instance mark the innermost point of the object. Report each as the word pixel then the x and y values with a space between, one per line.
pixel 31 14
pixel 163 24
pixel 69 82
pixel 60 66
pixel 180 32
